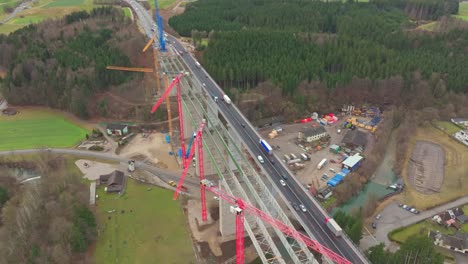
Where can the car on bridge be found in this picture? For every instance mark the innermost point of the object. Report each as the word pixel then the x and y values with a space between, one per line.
pixel 303 208
pixel 260 159
pixel 283 183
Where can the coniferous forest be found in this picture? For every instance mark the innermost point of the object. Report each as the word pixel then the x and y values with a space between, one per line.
pixel 288 42
pixel 62 63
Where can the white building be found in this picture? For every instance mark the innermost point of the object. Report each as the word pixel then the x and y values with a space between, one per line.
pixel 460 121
pixel 313 134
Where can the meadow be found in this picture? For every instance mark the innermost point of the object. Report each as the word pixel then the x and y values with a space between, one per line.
pixel 144 225
pixel 38 128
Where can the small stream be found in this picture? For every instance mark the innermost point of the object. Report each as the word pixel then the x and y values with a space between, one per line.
pixel 383 177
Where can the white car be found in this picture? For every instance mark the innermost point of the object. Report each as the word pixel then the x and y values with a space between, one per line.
pixel 204 84
pixel 378 216
pixel 260 158
pixel 303 208
pixel 283 183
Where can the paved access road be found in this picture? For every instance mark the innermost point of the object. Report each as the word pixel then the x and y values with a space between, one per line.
pixel 163 174
pixel 314 218
pixel 394 217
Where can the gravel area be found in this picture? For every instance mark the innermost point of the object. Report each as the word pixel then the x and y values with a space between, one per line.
pixel 95 169
pixel 426 167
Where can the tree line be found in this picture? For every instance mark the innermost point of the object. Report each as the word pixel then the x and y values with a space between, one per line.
pixel 294 41
pixel 62 63
pixel 49 221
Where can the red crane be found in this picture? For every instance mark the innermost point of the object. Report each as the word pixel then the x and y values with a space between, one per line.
pixel 175 82
pixel 240 206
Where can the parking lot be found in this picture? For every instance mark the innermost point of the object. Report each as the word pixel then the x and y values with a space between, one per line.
pixel 309 174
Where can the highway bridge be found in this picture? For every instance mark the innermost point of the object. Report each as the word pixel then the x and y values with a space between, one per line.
pixel 230 141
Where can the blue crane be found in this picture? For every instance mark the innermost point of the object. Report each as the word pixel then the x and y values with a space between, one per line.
pixel 190 145
pixel 162 41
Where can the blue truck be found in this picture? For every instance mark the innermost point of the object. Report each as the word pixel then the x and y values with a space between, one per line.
pixel 266 147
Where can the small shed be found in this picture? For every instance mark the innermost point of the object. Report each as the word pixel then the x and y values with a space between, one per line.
pixel 117 129
pixel 352 162
pixel 335 148
pixel 463 219
pixel 325 193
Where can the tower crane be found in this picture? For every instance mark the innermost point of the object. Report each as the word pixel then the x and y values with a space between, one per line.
pixel 175 82
pixel 240 207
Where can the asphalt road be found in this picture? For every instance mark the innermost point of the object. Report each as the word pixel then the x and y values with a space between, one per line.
pixel 315 216
pixel 163 174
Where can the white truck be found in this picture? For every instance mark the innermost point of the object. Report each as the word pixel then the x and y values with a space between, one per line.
pixel 320 165
pixel 334 227
pixel 227 99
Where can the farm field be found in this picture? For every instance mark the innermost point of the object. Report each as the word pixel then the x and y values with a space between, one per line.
pixel 448 127
pixel 456 164
pixel 463 11
pixel 162 4
pixel 147 225
pixel 44 9
pixel 38 128
pixel 64 3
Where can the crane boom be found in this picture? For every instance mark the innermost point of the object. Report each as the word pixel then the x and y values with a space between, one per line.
pixel 166 93
pixel 118 68
pixel 148 44
pixel 192 152
pixel 314 245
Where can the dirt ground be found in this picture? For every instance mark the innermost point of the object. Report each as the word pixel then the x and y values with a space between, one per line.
pixel 426 167
pixel 455 170
pixel 153 149
pixel 95 169
pixel 310 174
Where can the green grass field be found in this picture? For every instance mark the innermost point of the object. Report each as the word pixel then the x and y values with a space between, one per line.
pixel 162 3
pixel 65 3
pixel 27 20
pixel 463 11
pixel 127 12
pixel 421 228
pixel 38 128
pixel 448 127
pixel 153 232
pixel 43 9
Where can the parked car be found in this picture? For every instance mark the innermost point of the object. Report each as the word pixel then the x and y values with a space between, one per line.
pixel 377 217
pixel 416 212
pixel 374 225
pixel 404 206
pixel 400 205
pixel 332 170
pixel 303 208
pixel 283 183
pixel 409 208
pixel 332 161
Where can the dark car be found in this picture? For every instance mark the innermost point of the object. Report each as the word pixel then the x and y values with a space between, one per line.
pixel 332 161
pixel 272 161
pixel 295 206
pixel 284 176
pixel 243 125
pixel 374 225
